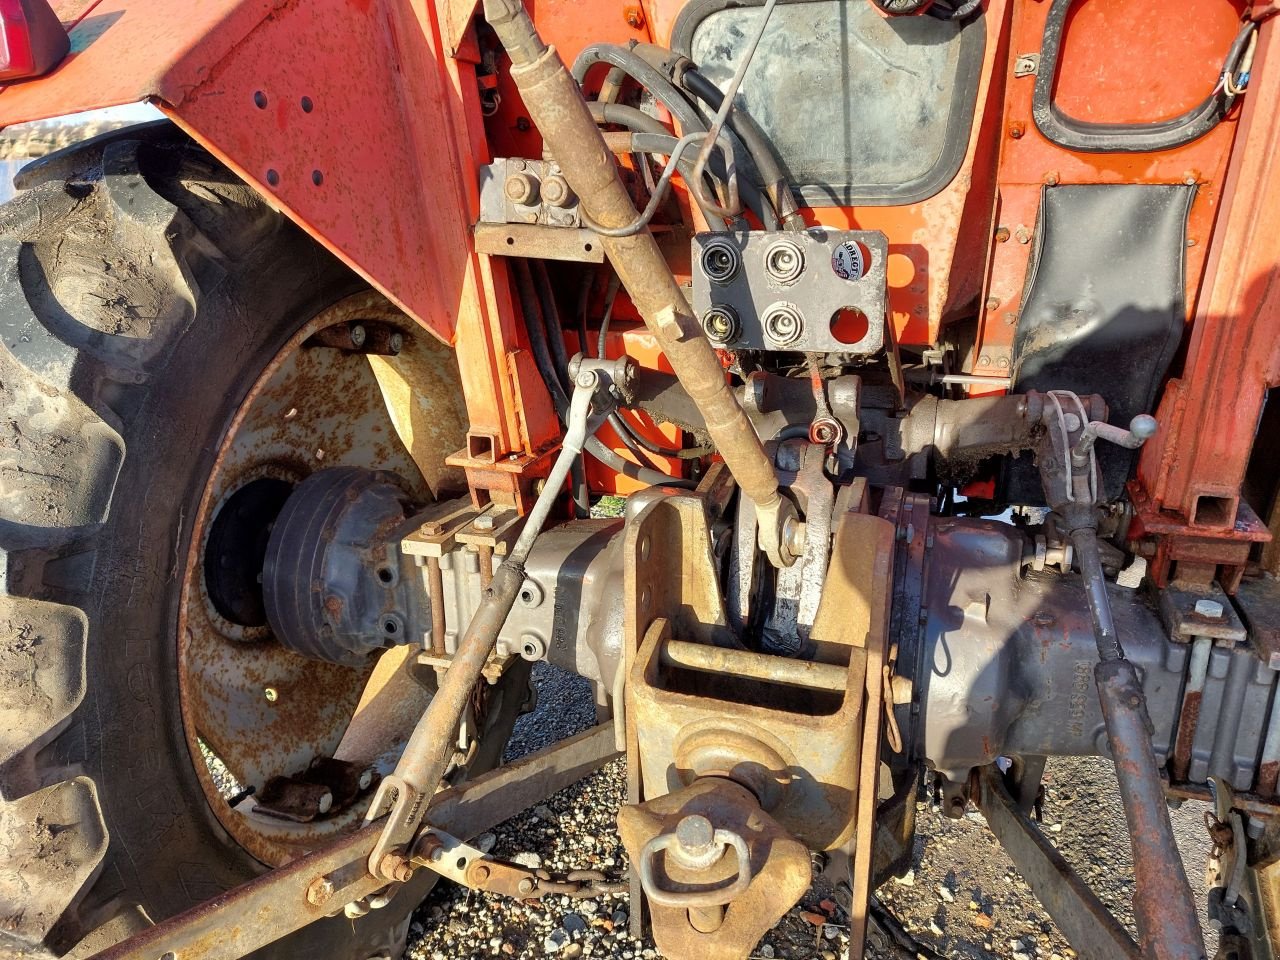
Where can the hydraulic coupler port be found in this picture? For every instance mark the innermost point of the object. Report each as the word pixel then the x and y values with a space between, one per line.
pixel 721 260
pixel 721 325
pixel 783 324
pixel 784 261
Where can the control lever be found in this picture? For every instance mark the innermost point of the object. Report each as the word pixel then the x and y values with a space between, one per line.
pixel 1163 904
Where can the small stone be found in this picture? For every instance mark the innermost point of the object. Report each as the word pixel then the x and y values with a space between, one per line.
pixel 1020 955
pixel 486 842
pixel 1055 828
pixel 908 879
pixel 619 918
pixel 527 859
pixel 766 951
pixel 830 932
pixel 571 951
pixel 946 894
pixel 574 923
pixel 828 955
pixel 543 812
pixel 817 919
pixel 508 948
pixel 555 940
pixel 495 943
pixel 973 904
pixel 934 928
pixel 984 921
pixel 828 906
pixel 588 906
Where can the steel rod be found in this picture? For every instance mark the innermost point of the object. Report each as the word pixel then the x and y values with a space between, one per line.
pixel 276 904
pixel 755 666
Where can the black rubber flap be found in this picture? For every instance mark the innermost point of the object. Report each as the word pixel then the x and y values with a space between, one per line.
pixel 1104 307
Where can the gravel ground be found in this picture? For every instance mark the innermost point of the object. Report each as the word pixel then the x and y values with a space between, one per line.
pixel 963 898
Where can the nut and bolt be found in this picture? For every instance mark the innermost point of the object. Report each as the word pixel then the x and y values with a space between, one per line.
pixel 358 335
pixel 395 867
pixel 1016 130
pixel 521 188
pixel 272 694
pixel 1210 609
pixel 483 522
pixel 324 803
pixel 555 191
pixel 1002 235
pixel 993 303
pixel 1023 235
pixel 526 885
pixel 319 891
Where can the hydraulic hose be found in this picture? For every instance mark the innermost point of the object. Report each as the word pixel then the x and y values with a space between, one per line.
pixel 637 121
pixel 687 116
pixel 534 314
pixel 776 186
pixel 556 105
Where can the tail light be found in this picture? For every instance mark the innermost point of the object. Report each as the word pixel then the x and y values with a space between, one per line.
pixel 32 40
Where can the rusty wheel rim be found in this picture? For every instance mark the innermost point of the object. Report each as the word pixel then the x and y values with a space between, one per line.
pixel 252 709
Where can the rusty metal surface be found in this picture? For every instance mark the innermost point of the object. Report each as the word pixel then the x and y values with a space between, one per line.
pixel 1086 923
pixel 1191 475
pixel 263 710
pixel 779 871
pixel 319 884
pixel 1162 904
pixel 255 81
pixel 690 723
pixel 546 243
pixel 856 609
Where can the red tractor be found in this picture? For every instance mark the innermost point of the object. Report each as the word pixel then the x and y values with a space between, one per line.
pixel 931 344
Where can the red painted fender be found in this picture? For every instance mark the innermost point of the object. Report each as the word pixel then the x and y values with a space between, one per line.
pixel 341 112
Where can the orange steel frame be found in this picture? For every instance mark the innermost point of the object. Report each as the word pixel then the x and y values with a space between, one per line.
pixel 361 119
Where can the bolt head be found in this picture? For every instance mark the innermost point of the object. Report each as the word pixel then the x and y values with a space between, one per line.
pixel 358 335
pixel 272 694
pixel 319 891
pixel 483 522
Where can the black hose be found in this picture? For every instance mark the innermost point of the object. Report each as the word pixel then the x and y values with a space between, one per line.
pixel 667 93
pixel 777 188
pixel 637 121
pixel 674 453
pixel 626 436
pixel 546 368
pixel 610 296
pixel 551 319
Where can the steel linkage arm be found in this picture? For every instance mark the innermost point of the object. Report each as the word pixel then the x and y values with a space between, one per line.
pixel 402 797
pixel 1162 904
pixel 320 884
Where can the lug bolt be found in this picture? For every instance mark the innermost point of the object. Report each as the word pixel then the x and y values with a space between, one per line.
pixel 358 335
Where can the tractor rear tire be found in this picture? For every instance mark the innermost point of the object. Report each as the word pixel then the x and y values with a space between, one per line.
pixel 145 288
